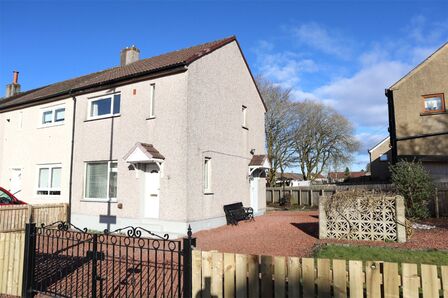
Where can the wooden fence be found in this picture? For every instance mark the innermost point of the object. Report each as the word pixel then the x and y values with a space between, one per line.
pixel 301 195
pixel 14 218
pixel 11 262
pixel 309 195
pixel 235 275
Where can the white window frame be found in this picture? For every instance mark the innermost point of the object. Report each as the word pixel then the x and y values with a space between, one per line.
pixel 207 168
pixel 244 112
pixel 53 110
pixel 50 168
pixel 152 98
pixel 107 199
pixel 97 98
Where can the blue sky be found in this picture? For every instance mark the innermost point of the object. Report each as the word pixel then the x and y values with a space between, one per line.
pixel 344 53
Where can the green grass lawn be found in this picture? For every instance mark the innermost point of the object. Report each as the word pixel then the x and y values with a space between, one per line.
pixel 369 253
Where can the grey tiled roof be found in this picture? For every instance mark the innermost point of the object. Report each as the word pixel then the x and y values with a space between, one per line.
pixel 141 67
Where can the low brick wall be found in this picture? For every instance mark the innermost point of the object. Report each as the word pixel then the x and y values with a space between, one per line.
pixel 367 217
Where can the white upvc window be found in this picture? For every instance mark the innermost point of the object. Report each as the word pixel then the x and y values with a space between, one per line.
pixel 152 94
pixel 207 175
pixel 101 180
pixel 104 106
pixel 244 116
pixel 49 180
pixel 52 116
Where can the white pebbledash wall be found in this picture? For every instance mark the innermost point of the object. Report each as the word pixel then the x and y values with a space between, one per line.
pixel 198 115
pixel 25 144
pixel 219 84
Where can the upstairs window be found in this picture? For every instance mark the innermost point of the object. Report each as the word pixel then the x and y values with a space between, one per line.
pixel 152 93
pixel 49 181
pixel 52 116
pixel 105 106
pixel 384 157
pixel 207 175
pixel 434 103
pixel 244 116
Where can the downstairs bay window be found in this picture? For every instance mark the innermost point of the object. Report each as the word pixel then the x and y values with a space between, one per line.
pixel 101 181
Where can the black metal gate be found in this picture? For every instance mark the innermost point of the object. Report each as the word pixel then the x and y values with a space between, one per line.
pixel 64 261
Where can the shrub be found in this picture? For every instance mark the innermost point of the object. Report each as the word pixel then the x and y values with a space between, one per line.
pixel 413 182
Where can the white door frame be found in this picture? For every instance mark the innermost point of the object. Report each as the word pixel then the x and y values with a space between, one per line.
pixel 151 198
pixel 254 186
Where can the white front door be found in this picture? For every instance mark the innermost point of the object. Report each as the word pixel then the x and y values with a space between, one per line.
pixel 254 193
pixel 15 182
pixel 152 189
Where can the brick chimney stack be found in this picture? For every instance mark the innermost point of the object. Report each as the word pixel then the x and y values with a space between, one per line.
pixel 129 55
pixel 14 87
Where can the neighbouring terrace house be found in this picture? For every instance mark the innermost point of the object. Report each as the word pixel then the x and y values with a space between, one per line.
pixel 288 179
pixel 418 117
pixel 340 177
pixel 380 157
pixel 160 143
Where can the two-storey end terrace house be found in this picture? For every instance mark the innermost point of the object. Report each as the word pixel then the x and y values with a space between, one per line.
pixel 418 115
pixel 160 143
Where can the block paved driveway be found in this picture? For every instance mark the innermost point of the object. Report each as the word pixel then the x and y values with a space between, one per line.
pixel 295 233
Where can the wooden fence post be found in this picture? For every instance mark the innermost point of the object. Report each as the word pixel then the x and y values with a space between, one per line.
pixel 322 218
pixel 401 219
pixel 436 203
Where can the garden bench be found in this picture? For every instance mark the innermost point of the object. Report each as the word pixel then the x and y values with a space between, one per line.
pixel 236 212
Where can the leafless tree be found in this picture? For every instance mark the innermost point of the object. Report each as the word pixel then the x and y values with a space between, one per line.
pixel 278 127
pixel 322 138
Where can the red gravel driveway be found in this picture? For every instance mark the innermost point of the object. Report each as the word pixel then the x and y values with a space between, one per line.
pixel 281 233
pixel 295 233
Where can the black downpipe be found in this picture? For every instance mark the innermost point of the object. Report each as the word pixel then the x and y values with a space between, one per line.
pixel 392 127
pixel 111 147
pixel 70 188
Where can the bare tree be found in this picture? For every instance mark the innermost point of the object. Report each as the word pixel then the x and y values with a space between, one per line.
pixel 278 127
pixel 322 137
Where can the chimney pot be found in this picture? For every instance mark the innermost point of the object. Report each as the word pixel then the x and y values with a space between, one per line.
pixel 14 87
pixel 15 78
pixel 129 55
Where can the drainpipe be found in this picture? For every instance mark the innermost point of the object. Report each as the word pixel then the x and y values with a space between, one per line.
pixel 70 188
pixel 392 128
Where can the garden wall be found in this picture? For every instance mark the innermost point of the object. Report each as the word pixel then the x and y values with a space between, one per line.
pixel 366 217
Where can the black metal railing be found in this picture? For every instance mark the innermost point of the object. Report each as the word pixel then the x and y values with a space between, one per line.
pixel 65 261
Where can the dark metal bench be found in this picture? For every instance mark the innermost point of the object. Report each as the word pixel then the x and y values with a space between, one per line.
pixel 236 212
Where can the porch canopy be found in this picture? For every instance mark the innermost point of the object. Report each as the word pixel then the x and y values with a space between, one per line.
pixel 144 153
pixel 259 162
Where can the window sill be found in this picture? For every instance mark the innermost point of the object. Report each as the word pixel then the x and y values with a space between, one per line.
pixel 103 117
pixel 208 193
pixel 433 113
pixel 99 200
pixel 51 125
pixel 150 118
pixel 245 127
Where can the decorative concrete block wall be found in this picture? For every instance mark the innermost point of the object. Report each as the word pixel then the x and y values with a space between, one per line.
pixel 362 217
